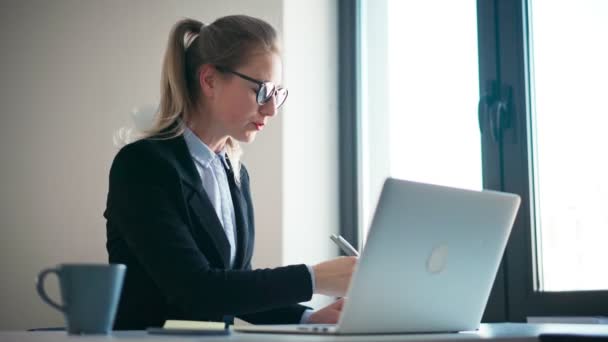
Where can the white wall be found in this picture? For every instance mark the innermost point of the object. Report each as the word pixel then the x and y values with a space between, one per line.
pixel 310 133
pixel 72 71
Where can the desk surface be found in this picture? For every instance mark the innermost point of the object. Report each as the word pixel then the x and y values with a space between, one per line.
pixel 489 332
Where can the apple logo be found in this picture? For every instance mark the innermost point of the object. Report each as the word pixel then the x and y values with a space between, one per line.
pixel 438 259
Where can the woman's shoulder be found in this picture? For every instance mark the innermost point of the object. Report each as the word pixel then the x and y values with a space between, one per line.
pixel 140 149
pixel 145 154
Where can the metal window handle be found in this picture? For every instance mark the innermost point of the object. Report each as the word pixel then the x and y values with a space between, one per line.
pixel 486 101
pixel 498 117
pixel 482 111
pixel 493 110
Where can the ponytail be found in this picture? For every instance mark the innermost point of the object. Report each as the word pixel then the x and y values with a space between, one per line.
pixel 176 97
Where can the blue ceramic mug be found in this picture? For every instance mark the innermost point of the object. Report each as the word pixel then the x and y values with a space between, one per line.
pixel 90 295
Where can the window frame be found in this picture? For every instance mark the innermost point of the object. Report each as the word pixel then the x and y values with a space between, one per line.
pixel 349 118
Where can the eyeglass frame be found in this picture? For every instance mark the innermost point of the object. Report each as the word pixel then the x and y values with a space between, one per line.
pixel 260 84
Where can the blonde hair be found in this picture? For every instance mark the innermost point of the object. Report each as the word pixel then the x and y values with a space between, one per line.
pixel 228 42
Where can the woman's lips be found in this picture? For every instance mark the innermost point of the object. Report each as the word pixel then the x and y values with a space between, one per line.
pixel 258 126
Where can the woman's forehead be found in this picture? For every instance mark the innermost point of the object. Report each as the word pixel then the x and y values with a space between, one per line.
pixel 263 66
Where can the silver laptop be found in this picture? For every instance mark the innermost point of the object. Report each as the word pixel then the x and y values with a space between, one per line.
pixel 428 265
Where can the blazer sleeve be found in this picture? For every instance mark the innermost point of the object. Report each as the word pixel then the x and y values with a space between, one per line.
pixel 144 203
pixel 291 314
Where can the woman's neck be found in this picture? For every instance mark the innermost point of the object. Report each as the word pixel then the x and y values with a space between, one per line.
pixel 208 134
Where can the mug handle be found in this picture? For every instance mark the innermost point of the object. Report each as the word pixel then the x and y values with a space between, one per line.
pixel 40 287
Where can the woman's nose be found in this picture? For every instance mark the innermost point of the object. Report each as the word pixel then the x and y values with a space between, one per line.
pixel 269 108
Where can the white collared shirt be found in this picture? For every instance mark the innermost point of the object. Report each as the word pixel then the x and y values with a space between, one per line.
pixel 210 167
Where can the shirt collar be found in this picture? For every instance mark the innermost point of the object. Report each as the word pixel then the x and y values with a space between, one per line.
pixel 200 151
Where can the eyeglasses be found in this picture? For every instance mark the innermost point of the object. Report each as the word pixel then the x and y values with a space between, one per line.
pixel 266 89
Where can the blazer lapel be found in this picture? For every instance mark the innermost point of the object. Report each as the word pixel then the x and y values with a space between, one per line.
pixel 242 226
pixel 199 204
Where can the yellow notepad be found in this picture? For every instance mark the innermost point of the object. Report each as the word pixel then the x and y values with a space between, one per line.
pixel 175 327
pixel 194 325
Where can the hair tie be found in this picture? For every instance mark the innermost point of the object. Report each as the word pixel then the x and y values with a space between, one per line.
pixel 191 36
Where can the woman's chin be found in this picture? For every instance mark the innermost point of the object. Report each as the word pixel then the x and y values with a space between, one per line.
pixel 247 137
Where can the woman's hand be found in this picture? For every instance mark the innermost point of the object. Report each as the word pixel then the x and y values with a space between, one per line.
pixel 333 277
pixel 329 314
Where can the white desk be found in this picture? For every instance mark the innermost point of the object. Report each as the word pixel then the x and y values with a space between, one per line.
pixel 499 332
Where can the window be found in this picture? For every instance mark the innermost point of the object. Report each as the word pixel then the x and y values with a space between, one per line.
pixel 569 173
pixel 550 155
pixel 503 95
pixel 419 95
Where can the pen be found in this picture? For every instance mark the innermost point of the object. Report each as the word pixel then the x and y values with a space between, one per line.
pixel 344 245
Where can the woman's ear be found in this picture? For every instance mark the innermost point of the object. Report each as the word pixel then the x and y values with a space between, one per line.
pixel 207 79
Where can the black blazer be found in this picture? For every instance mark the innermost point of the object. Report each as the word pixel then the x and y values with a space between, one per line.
pixel 161 224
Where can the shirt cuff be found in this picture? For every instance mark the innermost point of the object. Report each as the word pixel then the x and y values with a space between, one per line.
pixel 306 316
pixel 312 277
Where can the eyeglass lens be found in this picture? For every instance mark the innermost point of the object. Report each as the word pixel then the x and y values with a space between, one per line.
pixel 268 90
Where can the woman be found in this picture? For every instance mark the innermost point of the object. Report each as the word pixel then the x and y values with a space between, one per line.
pixel 179 211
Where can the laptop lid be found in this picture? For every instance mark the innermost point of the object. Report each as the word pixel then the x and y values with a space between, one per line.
pixel 430 259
